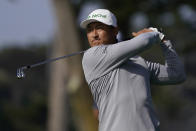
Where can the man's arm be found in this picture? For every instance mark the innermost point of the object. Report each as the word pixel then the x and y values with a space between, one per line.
pixel 118 53
pixel 100 60
pixel 173 70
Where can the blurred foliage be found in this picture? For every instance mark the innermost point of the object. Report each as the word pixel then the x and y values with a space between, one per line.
pixel 23 103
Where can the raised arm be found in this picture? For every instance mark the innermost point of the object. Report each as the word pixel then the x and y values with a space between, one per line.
pixel 117 53
pixel 102 59
pixel 173 70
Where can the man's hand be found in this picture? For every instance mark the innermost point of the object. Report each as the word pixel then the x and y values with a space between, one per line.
pixel 141 31
pixel 151 29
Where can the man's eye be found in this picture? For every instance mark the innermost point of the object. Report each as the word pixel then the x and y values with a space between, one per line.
pixel 89 29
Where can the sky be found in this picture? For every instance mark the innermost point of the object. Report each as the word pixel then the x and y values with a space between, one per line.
pixel 25 21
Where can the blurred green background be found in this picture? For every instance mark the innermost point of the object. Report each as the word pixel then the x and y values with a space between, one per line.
pixel 55 97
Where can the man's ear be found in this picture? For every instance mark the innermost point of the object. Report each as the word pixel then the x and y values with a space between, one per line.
pixel 116 29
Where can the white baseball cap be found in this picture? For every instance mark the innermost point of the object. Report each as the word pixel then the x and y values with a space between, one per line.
pixel 100 15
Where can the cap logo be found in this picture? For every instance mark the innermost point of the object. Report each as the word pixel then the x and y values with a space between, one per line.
pixel 97 16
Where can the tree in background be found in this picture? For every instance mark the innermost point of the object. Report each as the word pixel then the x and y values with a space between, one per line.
pixel 66 75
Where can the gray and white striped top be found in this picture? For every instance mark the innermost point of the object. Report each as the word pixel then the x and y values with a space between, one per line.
pixel 120 81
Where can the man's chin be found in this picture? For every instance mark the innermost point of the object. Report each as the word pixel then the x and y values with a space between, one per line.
pixel 96 43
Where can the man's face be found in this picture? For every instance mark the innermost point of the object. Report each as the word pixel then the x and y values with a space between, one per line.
pixel 99 33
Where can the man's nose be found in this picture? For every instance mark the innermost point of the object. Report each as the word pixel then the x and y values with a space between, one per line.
pixel 95 34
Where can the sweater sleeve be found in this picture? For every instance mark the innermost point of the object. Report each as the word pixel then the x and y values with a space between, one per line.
pixel 100 60
pixel 172 72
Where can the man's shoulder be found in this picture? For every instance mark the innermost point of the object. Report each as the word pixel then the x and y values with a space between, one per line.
pixel 90 51
pixel 92 61
pixel 93 52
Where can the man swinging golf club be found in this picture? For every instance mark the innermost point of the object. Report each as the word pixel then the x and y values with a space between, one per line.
pixel 119 79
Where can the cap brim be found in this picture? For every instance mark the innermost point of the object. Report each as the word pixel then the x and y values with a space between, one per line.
pixel 84 23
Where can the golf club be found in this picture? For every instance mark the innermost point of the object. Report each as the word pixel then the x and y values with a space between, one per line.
pixel 20 71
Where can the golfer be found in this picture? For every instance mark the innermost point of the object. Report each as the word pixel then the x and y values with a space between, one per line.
pixel 119 79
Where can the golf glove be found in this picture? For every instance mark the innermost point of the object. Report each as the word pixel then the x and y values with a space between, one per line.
pixel 161 35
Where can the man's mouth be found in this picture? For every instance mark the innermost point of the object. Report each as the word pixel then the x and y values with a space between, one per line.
pixel 95 41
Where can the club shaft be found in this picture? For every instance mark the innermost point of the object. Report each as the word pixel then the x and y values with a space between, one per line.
pixel 53 59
